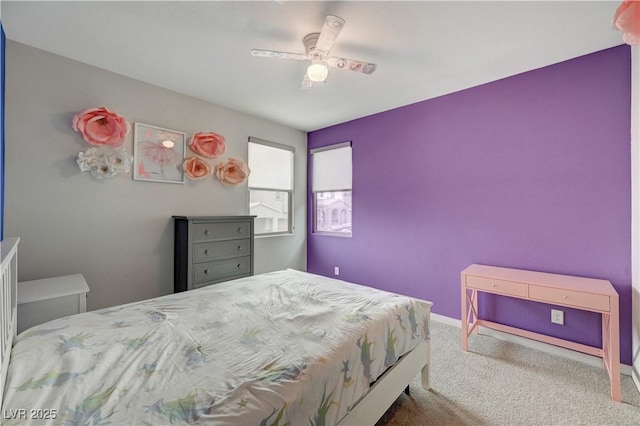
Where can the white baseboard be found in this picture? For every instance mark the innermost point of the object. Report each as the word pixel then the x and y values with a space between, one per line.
pixel 534 344
pixel 446 320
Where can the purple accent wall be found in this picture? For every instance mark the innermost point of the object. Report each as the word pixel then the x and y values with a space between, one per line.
pixel 531 171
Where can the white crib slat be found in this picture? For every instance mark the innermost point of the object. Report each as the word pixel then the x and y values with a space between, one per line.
pixel 5 315
pixel 8 303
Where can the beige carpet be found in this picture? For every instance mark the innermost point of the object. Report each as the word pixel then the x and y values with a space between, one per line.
pixel 503 383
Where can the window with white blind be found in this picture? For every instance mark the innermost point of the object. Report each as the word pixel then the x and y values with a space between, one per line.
pixel 271 186
pixel 331 187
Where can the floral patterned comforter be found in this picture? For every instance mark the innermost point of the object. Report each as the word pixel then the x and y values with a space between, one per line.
pixel 286 347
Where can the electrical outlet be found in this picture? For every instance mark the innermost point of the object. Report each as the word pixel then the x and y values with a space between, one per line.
pixel 336 270
pixel 557 316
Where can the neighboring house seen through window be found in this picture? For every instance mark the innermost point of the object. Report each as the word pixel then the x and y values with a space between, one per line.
pixel 331 186
pixel 271 186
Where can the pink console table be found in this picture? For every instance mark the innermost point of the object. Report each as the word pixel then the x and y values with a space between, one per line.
pixel 580 293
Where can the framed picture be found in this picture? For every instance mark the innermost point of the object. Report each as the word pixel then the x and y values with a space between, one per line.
pixel 158 154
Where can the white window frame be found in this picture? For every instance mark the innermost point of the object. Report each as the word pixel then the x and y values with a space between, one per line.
pixel 290 225
pixel 315 192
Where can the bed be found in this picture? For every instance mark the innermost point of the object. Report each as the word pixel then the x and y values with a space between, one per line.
pixel 286 347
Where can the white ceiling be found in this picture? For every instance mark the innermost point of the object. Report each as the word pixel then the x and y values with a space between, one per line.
pixel 423 49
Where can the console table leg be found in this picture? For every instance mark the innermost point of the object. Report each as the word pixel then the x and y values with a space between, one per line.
pixel 614 350
pixel 465 319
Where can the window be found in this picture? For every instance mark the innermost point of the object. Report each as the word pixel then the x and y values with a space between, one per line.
pixel 271 186
pixel 331 186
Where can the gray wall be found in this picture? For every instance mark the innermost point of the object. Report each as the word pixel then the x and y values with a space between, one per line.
pixel 117 232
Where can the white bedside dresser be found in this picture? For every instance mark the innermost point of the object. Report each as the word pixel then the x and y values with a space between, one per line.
pixel 50 298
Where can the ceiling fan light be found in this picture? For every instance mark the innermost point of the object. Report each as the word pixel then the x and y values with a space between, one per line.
pixel 317 72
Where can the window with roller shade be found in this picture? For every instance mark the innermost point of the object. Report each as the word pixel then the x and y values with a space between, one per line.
pixel 331 187
pixel 271 186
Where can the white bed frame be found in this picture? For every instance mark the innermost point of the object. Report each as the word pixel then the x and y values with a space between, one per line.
pixel 390 385
pixel 8 304
pixel 366 412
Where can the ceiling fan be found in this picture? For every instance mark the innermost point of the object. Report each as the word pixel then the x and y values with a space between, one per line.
pixel 317 47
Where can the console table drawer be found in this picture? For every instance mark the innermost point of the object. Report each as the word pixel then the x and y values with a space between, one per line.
pixel 497 286
pixel 598 302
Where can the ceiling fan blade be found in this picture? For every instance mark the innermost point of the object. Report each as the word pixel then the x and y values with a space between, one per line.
pixel 330 30
pixel 351 65
pixel 280 55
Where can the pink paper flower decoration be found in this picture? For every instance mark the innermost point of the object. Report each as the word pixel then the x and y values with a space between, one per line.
pixel 233 172
pixel 196 168
pixel 101 127
pixel 209 145
pixel 627 20
pixel 105 161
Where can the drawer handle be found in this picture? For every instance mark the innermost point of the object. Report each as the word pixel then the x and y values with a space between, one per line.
pixel 494 285
pixel 206 252
pixel 206 232
pixel 239 248
pixel 238 265
pixel 566 297
pixel 206 271
pixel 239 230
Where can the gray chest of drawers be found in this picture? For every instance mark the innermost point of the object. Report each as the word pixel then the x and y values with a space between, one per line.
pixel 211 249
